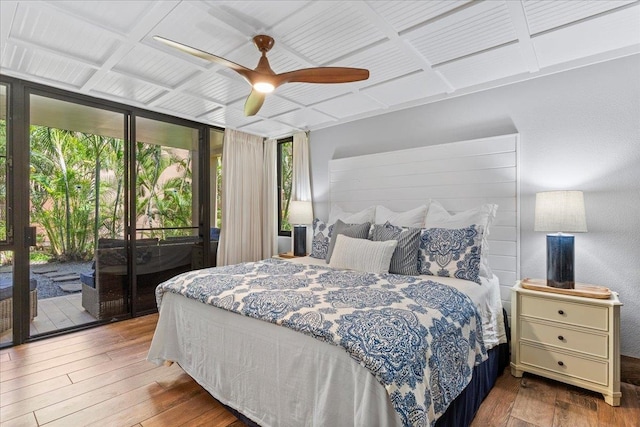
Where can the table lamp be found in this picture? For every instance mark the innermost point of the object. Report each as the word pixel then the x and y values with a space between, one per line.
pixel 560 212
pixel 300 214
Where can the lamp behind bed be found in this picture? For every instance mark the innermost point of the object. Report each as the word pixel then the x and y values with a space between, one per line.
pixel 300 214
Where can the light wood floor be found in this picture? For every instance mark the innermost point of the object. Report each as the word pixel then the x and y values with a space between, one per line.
pixel 100 377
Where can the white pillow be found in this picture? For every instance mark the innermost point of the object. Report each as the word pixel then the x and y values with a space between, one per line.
pixel 362 254
pixel 412 218
pixel 438 217
pixel 365 215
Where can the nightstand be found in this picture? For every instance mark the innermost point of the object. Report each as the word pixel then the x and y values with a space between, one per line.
pixel 568 338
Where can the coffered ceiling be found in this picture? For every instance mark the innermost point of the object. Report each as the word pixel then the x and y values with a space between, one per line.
pixel 417 51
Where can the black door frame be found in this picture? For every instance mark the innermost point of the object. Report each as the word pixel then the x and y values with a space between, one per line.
pixel 18 144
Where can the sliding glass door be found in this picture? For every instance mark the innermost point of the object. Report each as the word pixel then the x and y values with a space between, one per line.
pixel 99 203
pixel 78 256
pixel 166 199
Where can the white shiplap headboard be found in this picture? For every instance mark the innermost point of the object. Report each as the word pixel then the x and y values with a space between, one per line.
pixel 460 175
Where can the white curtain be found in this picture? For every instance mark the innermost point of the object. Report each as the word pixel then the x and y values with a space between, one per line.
pixel 241 233
pixel 270 205
pixel 301 183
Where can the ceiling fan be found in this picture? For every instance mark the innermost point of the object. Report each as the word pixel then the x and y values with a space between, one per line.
pixel 264 80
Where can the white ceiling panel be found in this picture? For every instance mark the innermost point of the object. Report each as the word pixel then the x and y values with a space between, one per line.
pixel 188 105
pixel 384 62
pixel 275 105
pixel 217 88
pixel 482 26
pixel 305 119
pixel 45 66
pixel 543 15
pixel 417 52
pixel 405 89
pixel 123 87
pixel 266 128
pixel 258 15
pixel 408 14
pixel 309 94
pixel 44 26
pixel 488 66
pixel 120 16
pixel 229 117
pixel 347 105
pixel 585 39
pixel 325 31
pixel 152 65
pixel 191 23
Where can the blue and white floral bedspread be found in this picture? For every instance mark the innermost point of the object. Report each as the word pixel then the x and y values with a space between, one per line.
pixel 419 338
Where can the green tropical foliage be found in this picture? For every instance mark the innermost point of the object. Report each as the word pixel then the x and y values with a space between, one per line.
pixel 286 178
pixel 77 190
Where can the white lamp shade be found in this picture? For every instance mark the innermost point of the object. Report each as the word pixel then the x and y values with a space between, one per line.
pixel 560 211
pixel 300 213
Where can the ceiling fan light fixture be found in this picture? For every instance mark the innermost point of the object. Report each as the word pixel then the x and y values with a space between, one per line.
pixel 264 87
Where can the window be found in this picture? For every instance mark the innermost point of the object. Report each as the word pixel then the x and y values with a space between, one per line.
pixel 285 173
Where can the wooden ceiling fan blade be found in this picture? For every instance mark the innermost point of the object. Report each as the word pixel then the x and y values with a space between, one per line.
pixel 254 103
pixel 245 72
pixel 323 75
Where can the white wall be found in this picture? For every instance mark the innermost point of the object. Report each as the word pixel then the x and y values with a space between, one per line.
pixel 579 130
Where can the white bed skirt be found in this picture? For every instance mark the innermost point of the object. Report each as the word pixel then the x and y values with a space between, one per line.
pixel 271 374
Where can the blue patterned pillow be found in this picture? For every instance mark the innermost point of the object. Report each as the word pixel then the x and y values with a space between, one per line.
pixel 321 239
pixel 451 252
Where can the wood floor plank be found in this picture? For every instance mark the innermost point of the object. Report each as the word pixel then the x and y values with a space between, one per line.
pixel 99 411
pixel 535 402
pixel 571 415
pixel 184 412
pixel 49 344
pixel 111 365
pixel 27 420
pixel 81 401
pixel 7 385
pixel 47 386
pixel 499 403
pixel 132 372
pixel 517 422
pixel 214 417
pixel 151 407
pixel 5 357
pixel 627 414
pixel 61 352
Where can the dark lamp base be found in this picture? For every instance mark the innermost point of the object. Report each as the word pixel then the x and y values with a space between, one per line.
pixel 299 240
pixel 560 257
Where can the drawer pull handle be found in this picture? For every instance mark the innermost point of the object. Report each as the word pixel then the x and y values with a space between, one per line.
pixel 561 312
pixel 561 363
pixel 560 337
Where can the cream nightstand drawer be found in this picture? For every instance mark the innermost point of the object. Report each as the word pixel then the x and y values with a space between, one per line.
pixel 565 364
pixel 565 338
pixel 571 313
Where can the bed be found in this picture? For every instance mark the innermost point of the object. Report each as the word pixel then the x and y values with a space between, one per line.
pixel 318 370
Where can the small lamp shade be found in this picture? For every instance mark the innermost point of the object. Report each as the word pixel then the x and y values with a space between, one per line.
pixel 300 213
pixel 560 211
